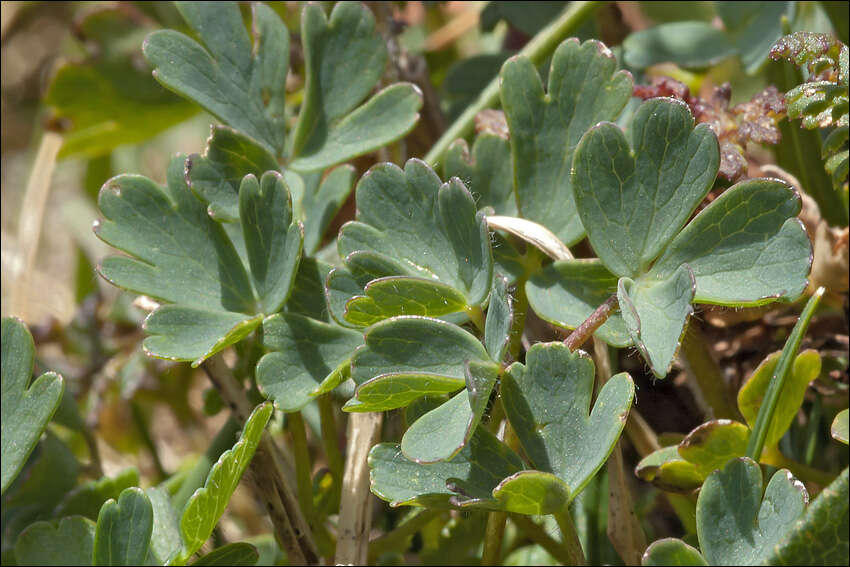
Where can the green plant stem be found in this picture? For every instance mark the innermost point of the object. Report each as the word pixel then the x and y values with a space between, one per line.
pixel 301 450
pixel 268 471
pixel 476 315
pixel 536 51
pixel 538 535
pixel 708 376
pixel 398 540
pixel 570 538
pixel 589 326
pixel 331 444
pixel 783 369
pixel 494 533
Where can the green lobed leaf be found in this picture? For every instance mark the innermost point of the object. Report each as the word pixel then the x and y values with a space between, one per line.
pixel 207 504
pixel 443 432
pixel 745 248
pixel 574 442
pixel 840 429
pixel 191 334
pixel 240 82
pixel 713 444
pixel 49 476
pixel 407 357
pixel 820 537
pixel 166 541
pixel 429 228
pixel 735 526
pixel 308 358
pixel 273 241
pixel 308 290
pixel 671 551
pixel 344 283
pixel 238 554
pixel 753 27
pixel 533 493
pixel 634 198
pixel 402 295
pixel 667 470
pixel 584 88
pixel 500 319
pixel 567 292
pixel 26 408
pixel 474 472
pixel 344 58
pixel 123 532
pixel 215 176
pixel 487 171
pixel 655 313
pixel 320 205
pixel 179 254
pixel 806 368
pixel 687 44
pixel 68 542
pixel 109 103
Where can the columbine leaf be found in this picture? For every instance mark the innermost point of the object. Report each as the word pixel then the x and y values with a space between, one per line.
pixel 309 357
pixel 746 247
pixel 671 551
pixel 806 368
pixel 237 554
pixel 684 467
pixel 688 44
pixel 206 506
pixel 25 410
pixel 403 295
pixel 530 492
pixel 320 204
pixel 216 175
pixel 442 432
pixel 500 318
pixel 487 172
pixel 840 429
pixel 584 88
pixel 190 334
pixel 344 283
pixel 166 541
pixel 344 59
pixel 407 357
pixel 566 292
pixel 474 472
pixel 273 241
pixel 308 290
pixel 427 227
pixel 71 542
pixel 820 537
pixel 569 443
pixel 180 255
pixel 667 470
pixel 241 84
pixel 734 525
pixel 124 529
pixel 655 313
pixel 713 444
pixel 634 199
pixel 752 27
